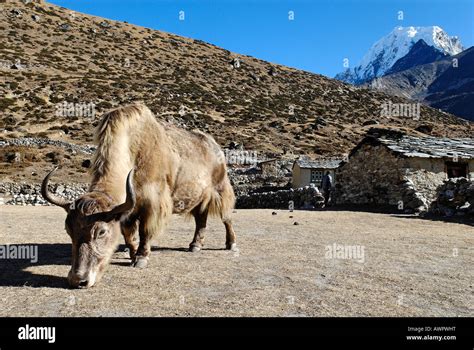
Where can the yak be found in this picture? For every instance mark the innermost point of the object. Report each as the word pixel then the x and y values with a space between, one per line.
pixel 143 171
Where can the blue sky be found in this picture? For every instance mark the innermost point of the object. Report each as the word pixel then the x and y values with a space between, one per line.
pixel 322 34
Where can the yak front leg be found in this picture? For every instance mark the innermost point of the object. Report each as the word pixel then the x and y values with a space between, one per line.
pixel 130 234
pixel 156 208
pixel 147 228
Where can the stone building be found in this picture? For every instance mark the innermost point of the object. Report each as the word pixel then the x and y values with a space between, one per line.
pixel 306 172
pixel 391 168
pixel 269 167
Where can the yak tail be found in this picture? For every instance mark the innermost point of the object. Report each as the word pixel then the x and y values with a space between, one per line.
pixel 220 202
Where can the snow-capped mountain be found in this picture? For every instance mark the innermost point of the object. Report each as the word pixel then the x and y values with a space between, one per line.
pixel 394 46
pixel 420 53
pixel 436 83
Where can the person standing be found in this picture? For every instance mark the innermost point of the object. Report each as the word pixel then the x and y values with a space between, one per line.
pixel 326 186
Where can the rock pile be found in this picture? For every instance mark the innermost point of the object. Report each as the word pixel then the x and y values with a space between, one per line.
pixel 28 194
pixel 455 198
pixel 412 200
pixel 300 198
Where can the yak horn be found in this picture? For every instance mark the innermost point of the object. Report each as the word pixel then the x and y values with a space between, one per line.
pixel 121 208
pixel 51 198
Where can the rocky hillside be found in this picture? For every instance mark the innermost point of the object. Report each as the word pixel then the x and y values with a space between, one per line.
pixel 53 58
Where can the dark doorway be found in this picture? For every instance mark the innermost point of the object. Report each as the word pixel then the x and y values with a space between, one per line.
pixel 456 169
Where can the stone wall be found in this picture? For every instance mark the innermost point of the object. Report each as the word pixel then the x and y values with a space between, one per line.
pixel 29 194
pixel 299 198
pixel 246 180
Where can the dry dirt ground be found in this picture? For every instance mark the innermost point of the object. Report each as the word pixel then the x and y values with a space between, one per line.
pixel 412 267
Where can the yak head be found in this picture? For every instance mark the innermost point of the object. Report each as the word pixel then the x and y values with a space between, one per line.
pixel 93 224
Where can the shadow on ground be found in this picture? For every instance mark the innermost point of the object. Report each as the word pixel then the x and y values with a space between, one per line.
pixel 162 249
pixel 13 271
pixel 122 248
pixel 453 219
pixel 394 212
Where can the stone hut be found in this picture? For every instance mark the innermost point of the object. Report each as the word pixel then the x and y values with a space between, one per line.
pixel 306 171
pixel 391 168
pixel 269 167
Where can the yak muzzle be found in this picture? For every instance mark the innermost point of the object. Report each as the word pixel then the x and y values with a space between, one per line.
pixel 81 280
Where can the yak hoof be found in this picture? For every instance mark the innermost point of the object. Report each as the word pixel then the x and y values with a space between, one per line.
pixel 231 246
pixel 140 262
pixel 194 248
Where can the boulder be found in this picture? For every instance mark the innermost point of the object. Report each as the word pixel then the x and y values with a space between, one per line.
pixel 64 27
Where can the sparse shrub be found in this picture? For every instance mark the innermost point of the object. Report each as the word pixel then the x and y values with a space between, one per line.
pixel 6 103
pixel 54 156
pixel 37 100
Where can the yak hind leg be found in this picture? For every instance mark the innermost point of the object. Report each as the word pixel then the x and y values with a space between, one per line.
pixel 230 240
pixel 200 219
pixel 226 207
